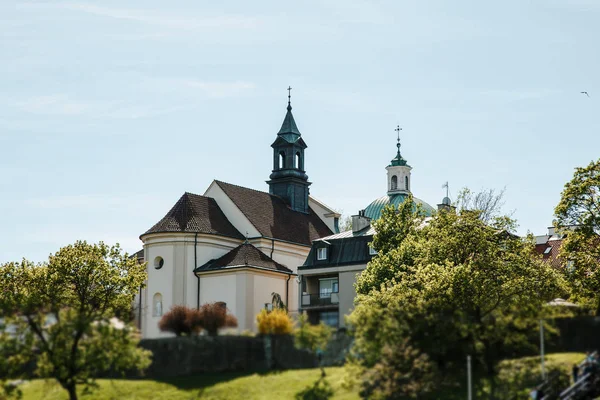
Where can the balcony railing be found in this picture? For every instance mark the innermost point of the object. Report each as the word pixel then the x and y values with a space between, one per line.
pixel 320 299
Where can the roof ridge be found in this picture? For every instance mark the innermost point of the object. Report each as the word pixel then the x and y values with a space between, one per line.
pixel 244 187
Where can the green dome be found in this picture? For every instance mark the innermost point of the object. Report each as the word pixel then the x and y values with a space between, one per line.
pixel 374 209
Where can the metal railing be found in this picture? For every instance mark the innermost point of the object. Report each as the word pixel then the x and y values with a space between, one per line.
pixel 320 299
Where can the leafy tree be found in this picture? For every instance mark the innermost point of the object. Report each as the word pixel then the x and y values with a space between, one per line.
pixel 578 213
pixel 460 286
pixel 392 228
pixel 276 322
pixel 313 338
pixel 61 312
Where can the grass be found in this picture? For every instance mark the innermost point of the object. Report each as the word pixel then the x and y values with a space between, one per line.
pixel 276 385
pixel 230 386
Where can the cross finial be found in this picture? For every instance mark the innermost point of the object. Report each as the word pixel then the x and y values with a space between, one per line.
pixel 398 129
pixel 289 89
pixel 447 187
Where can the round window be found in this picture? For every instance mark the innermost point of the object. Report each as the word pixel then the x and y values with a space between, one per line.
pixel 159 262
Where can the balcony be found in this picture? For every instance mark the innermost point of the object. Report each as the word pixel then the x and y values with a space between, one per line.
pixel 330 299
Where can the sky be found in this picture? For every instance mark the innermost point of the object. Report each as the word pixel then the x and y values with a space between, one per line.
pixel 111 110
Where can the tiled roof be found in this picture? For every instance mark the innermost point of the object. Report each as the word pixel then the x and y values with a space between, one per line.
pixel 245 255
pixel 272 217
pixel 550 251
pixel 193 213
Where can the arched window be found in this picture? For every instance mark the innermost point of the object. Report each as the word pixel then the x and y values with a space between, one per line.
pixel 281 159
pixel 406 182
pixel 299 161
pixel 394 184
pixel 157 309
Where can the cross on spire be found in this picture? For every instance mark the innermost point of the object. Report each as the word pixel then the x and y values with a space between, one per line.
pixel 289 89
pixel 398 129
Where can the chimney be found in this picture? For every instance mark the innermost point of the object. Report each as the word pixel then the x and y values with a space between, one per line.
pixel 360 222
pixel 551 231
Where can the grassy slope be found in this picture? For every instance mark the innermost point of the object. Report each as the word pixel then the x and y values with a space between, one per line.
pixel 282 385
pixel 232 386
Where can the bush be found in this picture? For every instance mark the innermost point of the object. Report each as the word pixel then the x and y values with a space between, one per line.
pixel 180 320
pixel 276 322
pixel 213 316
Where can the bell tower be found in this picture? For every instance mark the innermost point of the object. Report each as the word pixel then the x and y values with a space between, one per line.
pixel 398 172
pixel 288 179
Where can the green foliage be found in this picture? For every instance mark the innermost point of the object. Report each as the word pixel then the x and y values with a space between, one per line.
pixel 394 226
pixel 61 313
pixel 460 286
pixel 578 214
pixel 311 337
pixel 320 390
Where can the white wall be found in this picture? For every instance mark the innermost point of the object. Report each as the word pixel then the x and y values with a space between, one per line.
pixel 324 212
pixel 231 211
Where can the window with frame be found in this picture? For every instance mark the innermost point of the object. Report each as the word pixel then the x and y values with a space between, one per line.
pixel 328 286
pixel 372 251
pixel 322 253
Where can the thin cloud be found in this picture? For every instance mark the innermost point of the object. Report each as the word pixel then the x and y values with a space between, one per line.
pixel 180 22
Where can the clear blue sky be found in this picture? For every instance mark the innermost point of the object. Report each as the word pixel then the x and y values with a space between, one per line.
pixel 110 110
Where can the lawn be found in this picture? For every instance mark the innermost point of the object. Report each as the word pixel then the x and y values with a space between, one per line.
pixel 275 385
pixel 230 386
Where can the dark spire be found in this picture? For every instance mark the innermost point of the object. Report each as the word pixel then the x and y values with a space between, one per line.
pixel 289 125
pixel 398 160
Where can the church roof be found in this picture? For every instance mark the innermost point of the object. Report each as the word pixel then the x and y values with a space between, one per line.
pixel 194 213
pixel 289 131
pixel 273 218
pixel 374 209
pixel 245 255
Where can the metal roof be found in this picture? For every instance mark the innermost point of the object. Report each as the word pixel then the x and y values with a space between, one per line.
pixel 374 209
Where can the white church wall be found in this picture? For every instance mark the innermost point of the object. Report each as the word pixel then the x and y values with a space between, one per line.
pixel 324 212
pixel 220 287
pixel 264 286
pixel 288 254
pixel 175 281
pixel 233 214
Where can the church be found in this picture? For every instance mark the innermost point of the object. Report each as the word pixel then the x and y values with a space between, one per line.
pixel 239 245
pixel 234 244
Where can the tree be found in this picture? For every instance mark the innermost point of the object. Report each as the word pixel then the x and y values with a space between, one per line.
pixel 61 312
pixel 578 215
pixel 392 228
pixel 461 286
pixel 313 338
pixel 487 202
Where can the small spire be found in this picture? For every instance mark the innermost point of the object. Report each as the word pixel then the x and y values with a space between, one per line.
pixel 289 125
pixel 398 129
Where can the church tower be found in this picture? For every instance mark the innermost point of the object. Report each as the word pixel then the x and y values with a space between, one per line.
pixel 288 179
pixel 398 173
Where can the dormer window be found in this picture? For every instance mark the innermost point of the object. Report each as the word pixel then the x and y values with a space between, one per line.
pixel 322 253
pixel 372 251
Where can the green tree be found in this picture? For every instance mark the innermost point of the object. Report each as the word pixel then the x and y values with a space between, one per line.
pixel 578 213
pixel 460 286
pixel 61 312
pixel 394 226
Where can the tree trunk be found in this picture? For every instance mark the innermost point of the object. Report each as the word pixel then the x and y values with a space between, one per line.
pixel 72 389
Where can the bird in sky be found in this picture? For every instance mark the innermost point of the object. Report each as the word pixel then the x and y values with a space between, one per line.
pixel 586 93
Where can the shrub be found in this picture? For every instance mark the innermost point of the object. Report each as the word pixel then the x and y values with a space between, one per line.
pixel 180 320
pixel 213 316
pixel 276 322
